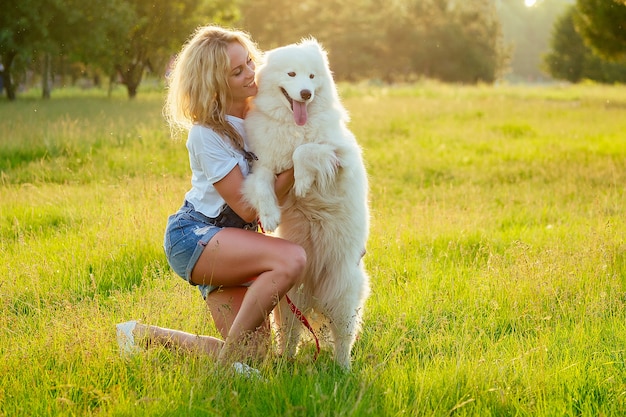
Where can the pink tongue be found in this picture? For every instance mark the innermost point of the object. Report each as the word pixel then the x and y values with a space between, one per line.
pixel 299 112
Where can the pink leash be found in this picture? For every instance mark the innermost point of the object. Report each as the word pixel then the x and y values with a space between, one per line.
pixel 305 322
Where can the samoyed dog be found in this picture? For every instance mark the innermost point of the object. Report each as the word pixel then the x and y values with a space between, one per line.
pixel 297 120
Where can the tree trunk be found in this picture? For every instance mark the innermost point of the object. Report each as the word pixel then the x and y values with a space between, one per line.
pixel 132 91
pixel 131 77
pixel 111 83
pixel 45 78
pixel 7 62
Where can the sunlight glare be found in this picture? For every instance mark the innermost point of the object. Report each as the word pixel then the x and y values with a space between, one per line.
pixel 530 3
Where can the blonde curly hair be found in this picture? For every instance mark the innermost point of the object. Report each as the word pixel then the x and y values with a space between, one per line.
pixel 198 91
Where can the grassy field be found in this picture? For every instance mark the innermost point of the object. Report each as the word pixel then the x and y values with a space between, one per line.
pixel 497 257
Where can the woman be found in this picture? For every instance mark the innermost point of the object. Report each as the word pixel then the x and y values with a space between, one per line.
pixel 241 273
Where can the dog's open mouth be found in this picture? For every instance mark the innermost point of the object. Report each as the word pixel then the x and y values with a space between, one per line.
pixel 297 107
pixel 286 94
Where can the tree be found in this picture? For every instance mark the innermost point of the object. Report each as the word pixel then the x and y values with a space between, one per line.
pixel 104 25
pixel 154 29
pixel 47 29
pixel 151 26
pixel 122 37
pixel 602 24
pixel 570 59
pixel 471 48
pixel 60 21
pixel 20 32
pixel 566 59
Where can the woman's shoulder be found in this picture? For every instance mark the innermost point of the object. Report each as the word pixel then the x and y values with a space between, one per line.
pixel 201 130
pixel 234 120
pixel 203 139
pixel 202 134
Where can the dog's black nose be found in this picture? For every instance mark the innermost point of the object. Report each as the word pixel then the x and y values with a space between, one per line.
pixel 305 94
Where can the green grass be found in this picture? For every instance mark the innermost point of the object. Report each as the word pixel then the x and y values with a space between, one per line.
pixel 497 257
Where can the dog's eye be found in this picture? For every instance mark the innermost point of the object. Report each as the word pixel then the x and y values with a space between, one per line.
pixel 311 76
pixel 291 74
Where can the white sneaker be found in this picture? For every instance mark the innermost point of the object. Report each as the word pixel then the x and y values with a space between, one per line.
pixel 247 371
pixel 125 338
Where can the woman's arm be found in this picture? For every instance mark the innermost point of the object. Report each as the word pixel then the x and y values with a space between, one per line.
pixel 231 185
pixel 230 188
pixel 284 182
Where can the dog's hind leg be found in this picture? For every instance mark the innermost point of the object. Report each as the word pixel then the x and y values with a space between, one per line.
pixel 344 325
pixel 345 314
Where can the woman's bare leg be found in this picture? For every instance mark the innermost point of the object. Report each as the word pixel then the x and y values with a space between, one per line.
pixel 232 258
pixel 178 339
pixel 224 305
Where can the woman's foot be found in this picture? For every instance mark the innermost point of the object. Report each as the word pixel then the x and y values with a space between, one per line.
pixel 247 371
pixel 126 338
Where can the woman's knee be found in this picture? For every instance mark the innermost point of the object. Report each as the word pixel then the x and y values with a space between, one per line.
pixel 295 262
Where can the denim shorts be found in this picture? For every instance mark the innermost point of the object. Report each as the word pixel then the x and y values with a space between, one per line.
pixel 186 235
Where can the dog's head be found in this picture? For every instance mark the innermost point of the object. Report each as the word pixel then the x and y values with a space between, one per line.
pixel 299 75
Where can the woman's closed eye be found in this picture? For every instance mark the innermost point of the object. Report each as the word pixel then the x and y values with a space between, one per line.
pixel 239 70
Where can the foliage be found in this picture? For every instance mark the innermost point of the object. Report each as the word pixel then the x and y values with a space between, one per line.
pixel 570 59
pixel 121 37
pixel 47 30
pixel 497 257
pixel 22 29
pixel 391 41
pixel 157 29
pixel 403 40
pixel 601 24
pixel 464 43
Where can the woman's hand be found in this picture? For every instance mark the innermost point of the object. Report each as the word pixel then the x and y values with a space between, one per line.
pixel 284 182
pixel 230 187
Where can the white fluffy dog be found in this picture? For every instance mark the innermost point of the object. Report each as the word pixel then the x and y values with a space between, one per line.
pixel 298 120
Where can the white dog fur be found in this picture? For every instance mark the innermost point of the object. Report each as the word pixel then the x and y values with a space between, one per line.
pixel 297 120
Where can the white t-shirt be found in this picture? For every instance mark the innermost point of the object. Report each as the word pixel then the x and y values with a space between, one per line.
pixel 211 158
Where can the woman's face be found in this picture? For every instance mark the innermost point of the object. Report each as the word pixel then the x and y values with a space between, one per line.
pixel 241 76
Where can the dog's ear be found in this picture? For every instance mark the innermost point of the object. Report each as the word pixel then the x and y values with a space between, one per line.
pixel 313 43
pixel 313 46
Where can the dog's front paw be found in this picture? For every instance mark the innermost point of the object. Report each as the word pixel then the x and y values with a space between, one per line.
pixel 302 185
pixel 270 220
